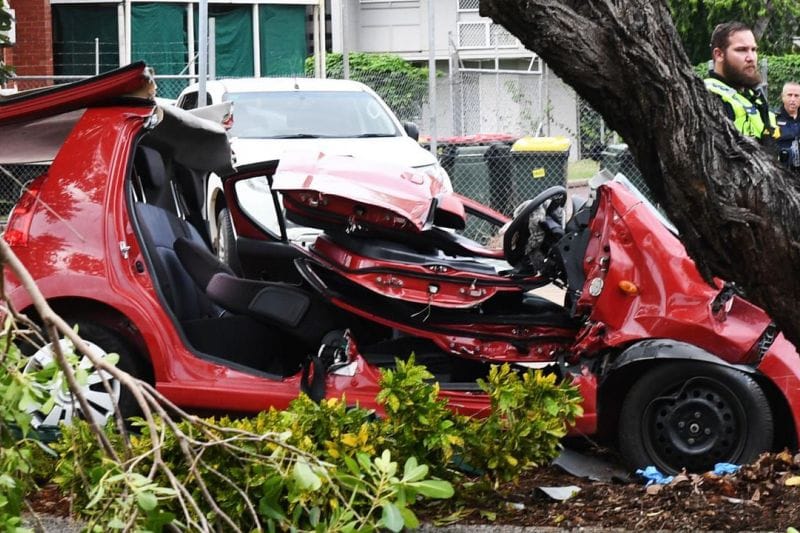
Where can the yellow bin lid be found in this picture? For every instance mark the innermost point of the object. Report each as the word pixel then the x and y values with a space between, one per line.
pixel 541 144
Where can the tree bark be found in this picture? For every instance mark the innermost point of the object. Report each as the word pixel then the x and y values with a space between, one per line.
pixel 737 209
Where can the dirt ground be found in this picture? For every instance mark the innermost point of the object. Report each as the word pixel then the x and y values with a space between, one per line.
pixel 764 496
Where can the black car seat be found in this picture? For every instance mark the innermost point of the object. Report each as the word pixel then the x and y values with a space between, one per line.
pixel 160 229
pixel 152 172
pixel 289 307
pixel 236 341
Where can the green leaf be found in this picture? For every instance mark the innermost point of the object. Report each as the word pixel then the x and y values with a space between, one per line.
pixel 305 477
pixel 98 495
pixel 28 402
pixel 116 523
pixel 351 482
pixel 391 517
pixel 433 488
pixel 157 520
pixel 414 472
pixel 409 518
pixel 313 516
pixel 351 465
pixel 363 460
pixel 270 508
pixel 385 464
pixel 146 500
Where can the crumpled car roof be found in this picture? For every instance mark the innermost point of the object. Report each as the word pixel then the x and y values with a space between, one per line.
pixel 34 124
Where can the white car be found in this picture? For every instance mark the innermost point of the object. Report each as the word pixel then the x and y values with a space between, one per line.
pixel 275 116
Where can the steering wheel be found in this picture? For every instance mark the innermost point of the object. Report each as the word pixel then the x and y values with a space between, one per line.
pixel 517 239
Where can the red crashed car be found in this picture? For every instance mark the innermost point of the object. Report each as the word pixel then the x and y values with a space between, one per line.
pixel 97 233
pixel 684 374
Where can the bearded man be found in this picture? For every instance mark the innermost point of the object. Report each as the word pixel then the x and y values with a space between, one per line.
pixel 735 78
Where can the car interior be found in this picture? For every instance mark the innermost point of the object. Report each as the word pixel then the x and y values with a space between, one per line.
pixel 246 324
pixel 262 327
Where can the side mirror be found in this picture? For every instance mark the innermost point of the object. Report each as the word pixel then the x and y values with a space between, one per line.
pixel 411 130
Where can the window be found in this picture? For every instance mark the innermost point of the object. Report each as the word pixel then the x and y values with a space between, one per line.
pixel 468 5
pixel 484 34
pixel 309 114
pixel 254 197
pixel 472 35
pixel 189 100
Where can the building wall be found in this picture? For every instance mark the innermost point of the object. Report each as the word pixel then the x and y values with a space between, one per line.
pixel 33 53
pixel 490 96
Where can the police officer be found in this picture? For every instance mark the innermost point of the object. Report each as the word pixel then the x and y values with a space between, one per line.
pixel 735 78
pixel 788 119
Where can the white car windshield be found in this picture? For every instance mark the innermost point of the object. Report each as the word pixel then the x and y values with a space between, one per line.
pixel 309 114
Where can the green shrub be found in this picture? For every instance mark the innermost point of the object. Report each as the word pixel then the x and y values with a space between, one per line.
pixel 19 456
pixel 528 419
pixel 321 466
pixel 418 422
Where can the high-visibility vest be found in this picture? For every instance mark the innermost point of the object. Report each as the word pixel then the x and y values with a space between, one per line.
pixel 746 116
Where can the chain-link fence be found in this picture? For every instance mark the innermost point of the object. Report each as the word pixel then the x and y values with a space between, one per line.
pixel 13 179
pixel 503 137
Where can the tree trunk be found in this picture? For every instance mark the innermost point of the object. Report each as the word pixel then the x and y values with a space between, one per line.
pixel 737 209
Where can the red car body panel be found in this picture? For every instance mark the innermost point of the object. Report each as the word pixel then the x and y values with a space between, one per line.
pixel 413 282
pixel 782 365
pixel 63 98
pixel 672 300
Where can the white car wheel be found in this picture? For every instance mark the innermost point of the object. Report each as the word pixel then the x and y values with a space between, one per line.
pixel 102 405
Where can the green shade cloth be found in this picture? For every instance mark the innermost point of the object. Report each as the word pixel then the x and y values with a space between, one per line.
pixel 75 28
pixel 158 35
pixel 234 36
pixel 160 39
pixel 283 41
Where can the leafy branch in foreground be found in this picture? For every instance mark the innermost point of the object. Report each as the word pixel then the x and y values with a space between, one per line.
pixel 321 467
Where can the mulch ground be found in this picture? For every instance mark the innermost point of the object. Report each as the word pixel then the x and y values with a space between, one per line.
pixel 763 496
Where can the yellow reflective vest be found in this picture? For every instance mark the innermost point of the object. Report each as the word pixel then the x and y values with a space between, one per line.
pixel 746 116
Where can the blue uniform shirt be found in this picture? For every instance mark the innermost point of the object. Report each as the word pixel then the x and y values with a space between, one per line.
pixel 789 138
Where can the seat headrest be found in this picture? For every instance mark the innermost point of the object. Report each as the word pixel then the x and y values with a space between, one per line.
pixel 150 166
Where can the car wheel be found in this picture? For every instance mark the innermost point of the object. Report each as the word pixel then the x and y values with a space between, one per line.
pixel 102 402
pixel 692 415
pixel 226 240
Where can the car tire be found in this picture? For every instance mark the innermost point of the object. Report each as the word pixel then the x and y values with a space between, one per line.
pixel 103 405
pixel 689 414
pixel 226 240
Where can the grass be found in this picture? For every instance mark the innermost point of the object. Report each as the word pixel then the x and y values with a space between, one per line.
pixel 581 170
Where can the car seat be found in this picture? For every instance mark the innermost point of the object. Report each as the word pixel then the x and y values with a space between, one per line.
pixel 293 309
pixel 236 340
